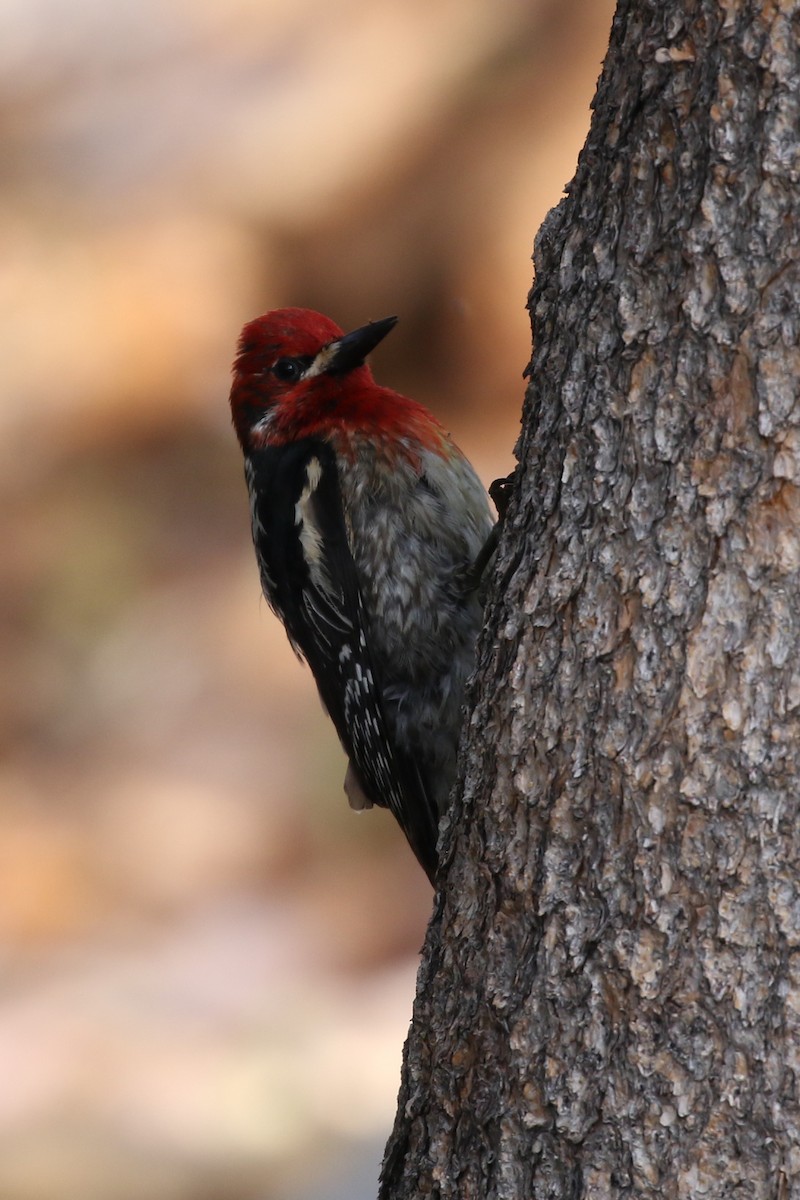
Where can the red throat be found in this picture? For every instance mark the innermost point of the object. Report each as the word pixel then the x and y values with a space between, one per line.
pixel 285 332
pixel 335 407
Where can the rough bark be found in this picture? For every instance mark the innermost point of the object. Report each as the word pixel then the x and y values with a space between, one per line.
pixel 609 998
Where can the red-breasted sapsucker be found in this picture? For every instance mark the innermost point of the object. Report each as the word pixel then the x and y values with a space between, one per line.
pixel 367 520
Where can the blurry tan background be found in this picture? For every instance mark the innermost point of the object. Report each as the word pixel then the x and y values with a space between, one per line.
pixel 206 961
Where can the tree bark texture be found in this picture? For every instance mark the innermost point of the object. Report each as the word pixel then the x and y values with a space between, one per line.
pixel 609 997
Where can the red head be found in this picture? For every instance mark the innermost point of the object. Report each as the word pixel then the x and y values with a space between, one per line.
pixel 296 374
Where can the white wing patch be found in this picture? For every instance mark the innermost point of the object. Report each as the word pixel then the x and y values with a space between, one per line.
pixel 304 513
pixel 310 536
pixel 322 603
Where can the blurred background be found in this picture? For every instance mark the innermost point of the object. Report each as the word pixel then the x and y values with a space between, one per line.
pixel 207 962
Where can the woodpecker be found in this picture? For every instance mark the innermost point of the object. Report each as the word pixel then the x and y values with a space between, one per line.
pixel 367 521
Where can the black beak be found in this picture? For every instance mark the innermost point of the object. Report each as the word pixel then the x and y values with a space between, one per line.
pixel 351 350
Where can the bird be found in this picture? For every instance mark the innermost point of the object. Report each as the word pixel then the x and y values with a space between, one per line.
pixel 367 522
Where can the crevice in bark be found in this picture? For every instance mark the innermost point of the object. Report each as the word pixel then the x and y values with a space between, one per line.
pixel 609 1000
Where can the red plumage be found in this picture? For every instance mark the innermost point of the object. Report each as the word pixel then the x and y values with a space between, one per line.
pixel 325 405
pixel 366 520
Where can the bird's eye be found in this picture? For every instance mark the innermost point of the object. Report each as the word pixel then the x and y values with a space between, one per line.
pixel 287 369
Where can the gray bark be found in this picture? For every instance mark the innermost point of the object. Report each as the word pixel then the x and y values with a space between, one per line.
pixel 609 997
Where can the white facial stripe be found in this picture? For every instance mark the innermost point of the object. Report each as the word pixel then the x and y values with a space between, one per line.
pixel 323 360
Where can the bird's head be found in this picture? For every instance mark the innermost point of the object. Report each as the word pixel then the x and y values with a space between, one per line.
pixel 294 373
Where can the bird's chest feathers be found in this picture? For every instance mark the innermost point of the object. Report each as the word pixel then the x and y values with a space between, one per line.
pixel 404 563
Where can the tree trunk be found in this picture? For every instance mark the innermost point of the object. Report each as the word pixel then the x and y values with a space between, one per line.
pixel 609 998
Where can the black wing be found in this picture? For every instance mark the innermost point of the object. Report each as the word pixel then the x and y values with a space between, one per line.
pixel 309 578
